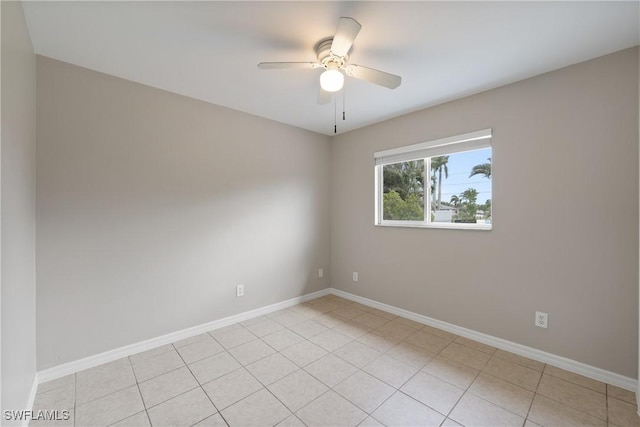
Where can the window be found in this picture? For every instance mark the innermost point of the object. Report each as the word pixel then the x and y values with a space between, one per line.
pixel 441 184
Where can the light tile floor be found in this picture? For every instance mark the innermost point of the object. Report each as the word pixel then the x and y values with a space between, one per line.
pixel 332 362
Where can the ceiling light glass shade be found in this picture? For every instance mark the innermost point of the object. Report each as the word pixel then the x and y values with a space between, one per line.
pixel 331 80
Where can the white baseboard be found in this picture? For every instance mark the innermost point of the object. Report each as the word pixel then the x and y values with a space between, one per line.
pixel 128 350
pixel 522 350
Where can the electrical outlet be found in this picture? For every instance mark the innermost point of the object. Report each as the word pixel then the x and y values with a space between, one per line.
pixel 355 276
pixel 240 291
pixel 541 320
pixel 320 273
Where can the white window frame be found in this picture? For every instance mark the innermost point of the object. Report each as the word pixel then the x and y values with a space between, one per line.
pixel 424 151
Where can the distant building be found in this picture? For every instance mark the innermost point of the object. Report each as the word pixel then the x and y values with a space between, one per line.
pixel 444 214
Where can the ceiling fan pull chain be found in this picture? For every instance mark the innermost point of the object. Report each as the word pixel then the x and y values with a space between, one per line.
pixel 335 115
pixel 344 98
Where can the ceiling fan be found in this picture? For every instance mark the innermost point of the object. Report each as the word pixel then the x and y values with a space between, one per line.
pixel 333 54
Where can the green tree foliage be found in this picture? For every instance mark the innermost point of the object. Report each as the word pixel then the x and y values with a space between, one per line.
pixel 397 208
pixel 469 196
pixel 404 178
pixel 482 169
pixel 466 204
pixel 403 197
pixel 486 208
pixel 438 166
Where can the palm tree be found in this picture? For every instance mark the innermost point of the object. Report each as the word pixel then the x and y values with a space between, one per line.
pixel 415 176
pixel 456 201
pixel 482 169
pixel 404 178
pixel 470 195
pixel 438 165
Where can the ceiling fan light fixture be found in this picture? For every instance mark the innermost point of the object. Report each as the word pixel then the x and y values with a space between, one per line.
pixel 331 80
pixel 333 56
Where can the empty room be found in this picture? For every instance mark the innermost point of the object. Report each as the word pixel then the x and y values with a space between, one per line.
pixel 332 213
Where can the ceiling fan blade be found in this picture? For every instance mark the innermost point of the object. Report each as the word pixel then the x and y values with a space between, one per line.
pixel 324 97
pixel 280 65
pixel 348 29
pixel 373 76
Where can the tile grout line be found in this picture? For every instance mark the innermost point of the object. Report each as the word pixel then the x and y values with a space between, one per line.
pixel 470 383
pixel 576 409
pixel 358 368
pixel 276 352
pixel 399 389
pixel 199 385
pixel 318 379
pixel 144 405
pixel 312 400
pixel 526 417
pixel 276 397
pixel 575 383
pixel 113 392
pixel 164 373
pixel 465 391
pixel 264 387
pixel 512 384
pixel 535 392
pixel 333 388
pixel 152 357
pixel 481 371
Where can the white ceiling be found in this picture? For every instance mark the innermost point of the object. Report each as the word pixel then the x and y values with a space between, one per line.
pixel 442 50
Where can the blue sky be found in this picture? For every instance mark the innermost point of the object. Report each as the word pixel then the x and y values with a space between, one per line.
pixel 460 165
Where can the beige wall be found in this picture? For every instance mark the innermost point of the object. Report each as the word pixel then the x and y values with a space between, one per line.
pixel 565 233
pixel 152 207
pixel 18 144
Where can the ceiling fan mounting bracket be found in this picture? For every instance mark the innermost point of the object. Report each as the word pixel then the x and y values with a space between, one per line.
pixel 323 51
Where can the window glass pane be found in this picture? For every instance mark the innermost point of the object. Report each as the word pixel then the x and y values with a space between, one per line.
pixel 403 191
pixel 461 187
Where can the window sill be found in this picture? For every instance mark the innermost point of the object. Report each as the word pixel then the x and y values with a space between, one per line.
pixel 452 226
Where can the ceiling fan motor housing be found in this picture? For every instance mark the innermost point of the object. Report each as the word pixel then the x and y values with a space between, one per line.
pixel 323 50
